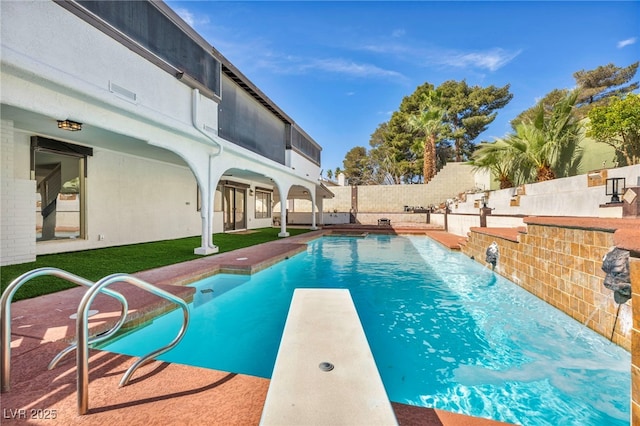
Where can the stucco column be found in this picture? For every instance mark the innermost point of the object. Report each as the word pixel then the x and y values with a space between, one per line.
pixel 206 237
pixel 283 208
pixel 321 210
pixel 207 193
pixel 313 209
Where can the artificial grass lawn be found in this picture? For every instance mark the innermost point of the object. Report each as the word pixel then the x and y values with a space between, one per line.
pixel 96 264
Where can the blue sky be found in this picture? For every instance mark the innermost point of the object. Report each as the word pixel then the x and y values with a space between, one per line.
pixel 339 69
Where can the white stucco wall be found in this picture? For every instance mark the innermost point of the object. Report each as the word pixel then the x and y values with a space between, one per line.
pixel 58 46
pixel 569 196
pixel 302 165
pixel 132 200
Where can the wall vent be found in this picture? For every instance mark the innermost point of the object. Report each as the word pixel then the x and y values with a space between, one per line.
pixel 122 92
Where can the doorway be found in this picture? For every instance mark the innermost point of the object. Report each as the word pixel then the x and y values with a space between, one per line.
pixel 234 207
pixel 59 170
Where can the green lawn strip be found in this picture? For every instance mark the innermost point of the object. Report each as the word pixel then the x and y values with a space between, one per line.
pixel 97 263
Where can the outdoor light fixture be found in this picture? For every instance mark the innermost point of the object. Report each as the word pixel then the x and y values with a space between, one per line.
pixel 614 189
pixel 72 126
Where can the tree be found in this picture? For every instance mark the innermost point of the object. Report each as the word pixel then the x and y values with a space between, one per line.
pixel 549 146
pixel 329 174
pixel 547 103
pixel 429 122
pixel 400 139
pixel 383 159
pixel 495 158
pixel 546 147
pixel 399 151
pixel 602 84
pixel 618 125
pixel 469 110
pixel 596 88
pixel 357 166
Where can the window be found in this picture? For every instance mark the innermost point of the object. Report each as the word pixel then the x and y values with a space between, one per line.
pixel 263 204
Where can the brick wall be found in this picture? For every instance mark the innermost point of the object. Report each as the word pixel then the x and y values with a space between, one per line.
pixel 561 266
pixel 17 208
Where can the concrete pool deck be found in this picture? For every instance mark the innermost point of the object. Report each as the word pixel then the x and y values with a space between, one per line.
pixel 160 392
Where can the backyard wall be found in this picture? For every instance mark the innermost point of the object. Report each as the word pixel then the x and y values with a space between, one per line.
pixel 579 195
pixel 453 179
pixel 559 260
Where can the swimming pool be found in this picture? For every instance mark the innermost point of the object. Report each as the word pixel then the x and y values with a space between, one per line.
pixel 444 331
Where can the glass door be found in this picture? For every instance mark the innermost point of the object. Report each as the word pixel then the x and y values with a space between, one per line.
pixel 234 206
pixel 240 212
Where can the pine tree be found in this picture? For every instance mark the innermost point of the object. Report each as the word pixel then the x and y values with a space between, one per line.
pixel 599 86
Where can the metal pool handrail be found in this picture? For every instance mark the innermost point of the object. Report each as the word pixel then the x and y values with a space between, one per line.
pixel 5 319
pixel 82 332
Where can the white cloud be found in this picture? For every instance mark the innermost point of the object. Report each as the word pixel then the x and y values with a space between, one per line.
pixel 627 42
pixel 190 18
pixel 347 67
pixel 390 49
pixel 290 64
pixel 350 93
pixel 491 60
pixel 398 33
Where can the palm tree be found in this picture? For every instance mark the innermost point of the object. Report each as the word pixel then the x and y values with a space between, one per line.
pixel 546 147
pixel 329 174
pixel 428 121
pixel 494 157
pixel 549 146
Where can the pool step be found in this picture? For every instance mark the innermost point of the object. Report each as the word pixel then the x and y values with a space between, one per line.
pixel 325 372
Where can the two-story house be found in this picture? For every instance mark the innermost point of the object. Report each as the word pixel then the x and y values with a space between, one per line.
pixel 120 124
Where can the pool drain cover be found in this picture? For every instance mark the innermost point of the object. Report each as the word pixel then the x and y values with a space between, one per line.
pixel 326 366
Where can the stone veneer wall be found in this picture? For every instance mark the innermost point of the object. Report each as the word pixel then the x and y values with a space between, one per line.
pixel 561 266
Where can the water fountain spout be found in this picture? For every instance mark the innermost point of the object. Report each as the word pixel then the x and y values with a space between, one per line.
pixel 492 255
pixel 615 264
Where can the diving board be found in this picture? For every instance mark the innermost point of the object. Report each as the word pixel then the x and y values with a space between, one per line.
pixel 325 373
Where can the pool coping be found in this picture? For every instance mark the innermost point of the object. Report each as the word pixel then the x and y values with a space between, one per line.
pixel 169 392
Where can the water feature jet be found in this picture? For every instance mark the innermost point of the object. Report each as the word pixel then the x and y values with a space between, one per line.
pixel 615 264
pixel 492 255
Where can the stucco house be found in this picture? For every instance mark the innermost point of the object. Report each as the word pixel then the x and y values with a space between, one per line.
pixel 120 124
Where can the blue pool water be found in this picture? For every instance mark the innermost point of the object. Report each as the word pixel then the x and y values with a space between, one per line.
pixel 445 332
